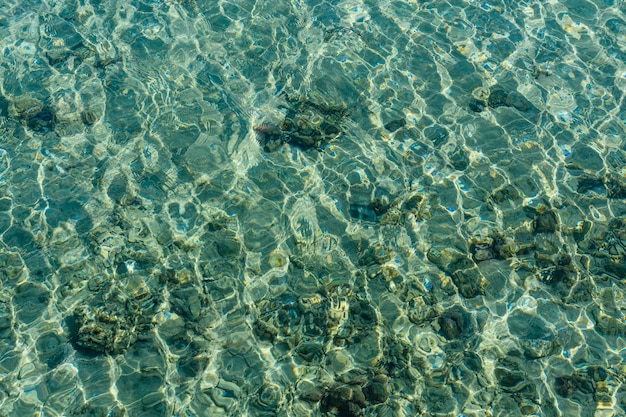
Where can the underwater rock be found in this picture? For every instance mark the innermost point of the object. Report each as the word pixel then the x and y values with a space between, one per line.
pixel 418 206
pixel 270 137
pixel 4 106
pixel 347 400
pixel 418 310
pixel 265 330
pixel 456 323
pixel 34 113
pixel 519 102
pixel 268 398
pixel 556 269
pixel 615 187
pixel 309 391
pixel 607 324
pixel 446 258
pixel 469 281
pixel 376 255
pixel 545 220
pixel 606 247
pixel 307 125
pixel 310 351
pixel 520 380
pixel 26 107
pixel 88 117
pixel 98 406
pixel 597 373
pixel 506 193
pixel 188 302
pixel 498 97
pixel 495 246
pixel 394 125
pixel 464 272
pixel 539 348
pixel 353 377
pixel 42 121
pixel 459 159
pixel 310 125
pixel 567 385
pixel 439 399
pixel 510 380
pixel 100 331
pixel 376 391
pixel 192 364
pixel 584 159
pixel 396 358
pixel 584 290
pixel 513 376
pixel 472 362
pixel 482 249
pixel 362 315
pixel 588 182
pixel 477 106
pixel 382 201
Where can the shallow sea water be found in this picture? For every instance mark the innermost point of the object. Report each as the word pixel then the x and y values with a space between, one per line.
pixel 312 208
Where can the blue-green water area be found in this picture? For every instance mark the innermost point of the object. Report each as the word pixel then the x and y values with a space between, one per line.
pixel 312 208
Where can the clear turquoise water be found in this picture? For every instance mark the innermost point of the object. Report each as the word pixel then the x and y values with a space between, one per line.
pixel 311 208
